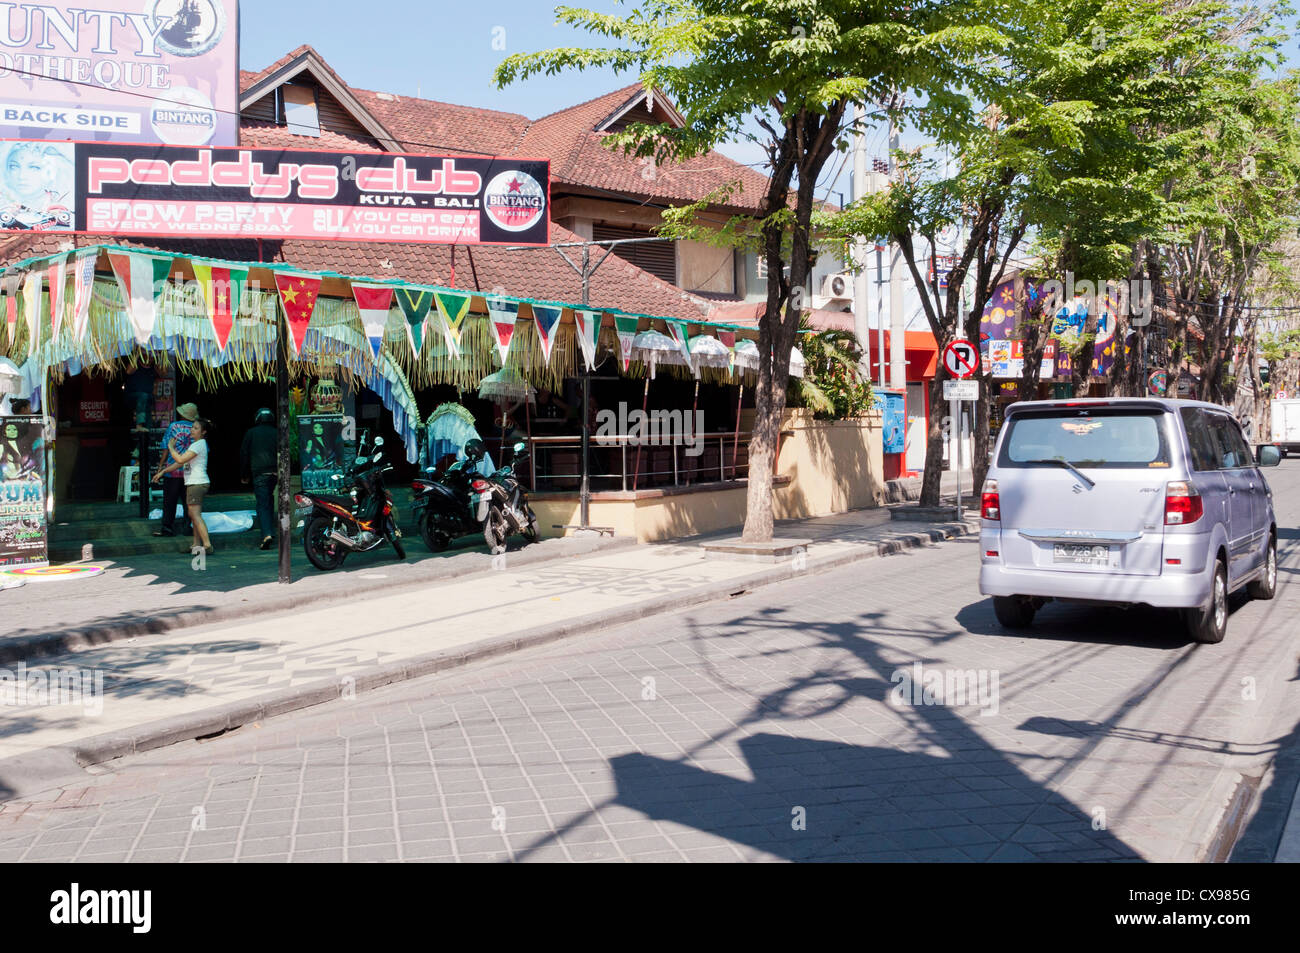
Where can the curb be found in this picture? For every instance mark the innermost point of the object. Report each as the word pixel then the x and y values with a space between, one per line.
pixel 46 764
pixel 25 648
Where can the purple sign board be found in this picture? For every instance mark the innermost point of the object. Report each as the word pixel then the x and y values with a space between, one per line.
pixel 140 71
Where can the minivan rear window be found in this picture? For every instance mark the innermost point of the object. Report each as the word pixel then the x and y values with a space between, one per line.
pixel 1119 437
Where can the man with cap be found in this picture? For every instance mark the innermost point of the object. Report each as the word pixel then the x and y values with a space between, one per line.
pixel 258 465
pixel 173 483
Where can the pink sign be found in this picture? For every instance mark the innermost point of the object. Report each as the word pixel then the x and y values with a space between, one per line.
pixel 126 71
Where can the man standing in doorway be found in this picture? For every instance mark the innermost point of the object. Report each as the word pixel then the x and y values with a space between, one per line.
pixel 174 482
pixel 257 464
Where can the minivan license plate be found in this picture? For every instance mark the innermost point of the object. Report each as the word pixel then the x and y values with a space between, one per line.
pixel 1079 555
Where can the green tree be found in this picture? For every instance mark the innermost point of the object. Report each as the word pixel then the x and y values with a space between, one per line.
pixel 791 69
pixel 833 386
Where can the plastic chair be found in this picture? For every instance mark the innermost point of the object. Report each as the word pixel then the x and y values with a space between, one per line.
pixel 128 484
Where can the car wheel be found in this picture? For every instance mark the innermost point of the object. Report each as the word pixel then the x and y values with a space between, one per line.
pixel 1209 625
pixel 1266 585
pixel 1014 612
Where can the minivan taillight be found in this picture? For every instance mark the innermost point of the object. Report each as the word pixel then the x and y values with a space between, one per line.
pixel 1182 503
pixel 990 505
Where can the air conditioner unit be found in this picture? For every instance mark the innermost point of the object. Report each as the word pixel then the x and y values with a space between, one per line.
pixel 838 286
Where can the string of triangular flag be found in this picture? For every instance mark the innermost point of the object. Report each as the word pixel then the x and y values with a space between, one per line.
pixel 587 325
pixel 452 309
pixel 503 315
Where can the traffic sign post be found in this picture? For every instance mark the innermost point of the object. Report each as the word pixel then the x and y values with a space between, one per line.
pixel 961 358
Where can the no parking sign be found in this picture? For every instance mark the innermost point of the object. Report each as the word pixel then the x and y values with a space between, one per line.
pixel 962 359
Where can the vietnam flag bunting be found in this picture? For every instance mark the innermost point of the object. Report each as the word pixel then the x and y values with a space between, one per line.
pixel 83 289
pixel 32 286
pixel 223 289
pixel 298 294
pixel 587 324
pixel 728 338
pixel 142 280
pixel 374 302
pixel 415 304
pixel 11 281
pixel 548 324
pixel 452 308
pixel 625 326
pixel 503 314
pixel 58 275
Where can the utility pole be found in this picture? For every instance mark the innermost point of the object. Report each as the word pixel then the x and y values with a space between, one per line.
pixel 897 322
pixel 861 321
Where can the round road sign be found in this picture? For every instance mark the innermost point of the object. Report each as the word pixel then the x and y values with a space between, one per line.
pixel 962 358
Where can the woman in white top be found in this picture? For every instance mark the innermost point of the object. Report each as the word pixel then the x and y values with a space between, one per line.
pixel 195 462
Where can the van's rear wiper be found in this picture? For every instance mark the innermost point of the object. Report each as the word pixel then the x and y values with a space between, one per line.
pixel 1062 462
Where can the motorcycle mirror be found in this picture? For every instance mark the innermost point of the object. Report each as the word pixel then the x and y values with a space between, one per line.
pixel 521 447
pixel 379 441
pixel 377 457
pixel 361 461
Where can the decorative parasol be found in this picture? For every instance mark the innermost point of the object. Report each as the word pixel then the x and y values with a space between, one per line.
pixel 747 355
pixel 797 363
pixel 708 351
pixel 506 386
pixel 12 381
pixel 652 348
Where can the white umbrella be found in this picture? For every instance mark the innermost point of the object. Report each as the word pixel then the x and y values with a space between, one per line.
pixel 506 386
pixel 747 355
pixel 12 381
pixel 797 363
pixel 652 348
pixel 708 351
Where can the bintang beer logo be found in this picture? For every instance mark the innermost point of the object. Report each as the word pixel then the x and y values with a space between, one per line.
pixel 514 201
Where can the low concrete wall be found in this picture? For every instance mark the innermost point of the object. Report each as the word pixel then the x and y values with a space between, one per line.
pixel 824 467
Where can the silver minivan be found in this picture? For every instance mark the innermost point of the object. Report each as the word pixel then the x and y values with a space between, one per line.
pixel 1126 501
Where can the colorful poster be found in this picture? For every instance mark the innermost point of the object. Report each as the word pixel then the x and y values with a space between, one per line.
pixel 141 191
pixel 24 539
pixel 122 71
pixel 1007 359
pixel 322 452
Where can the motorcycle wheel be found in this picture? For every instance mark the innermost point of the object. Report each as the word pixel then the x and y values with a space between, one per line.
pixel 435 539
pixel 325 554
pixel 494 531
pixel 531 533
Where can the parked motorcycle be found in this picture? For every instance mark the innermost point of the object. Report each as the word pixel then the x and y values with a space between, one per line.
pixel 443 509
pixel 359 522
pixel 502 503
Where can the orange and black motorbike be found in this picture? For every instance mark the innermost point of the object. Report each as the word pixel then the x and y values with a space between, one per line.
pixel 361 521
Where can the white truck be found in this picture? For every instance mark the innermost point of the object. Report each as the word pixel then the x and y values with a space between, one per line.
pixel 1286 426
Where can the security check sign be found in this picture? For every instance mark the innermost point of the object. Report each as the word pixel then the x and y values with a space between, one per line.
pixel 962 358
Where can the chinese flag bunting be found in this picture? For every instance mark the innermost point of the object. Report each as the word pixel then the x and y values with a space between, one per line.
pixel 142 280
pixel 10 286
pixel 83 289
pixel 32 286
pixel 374 302
pixel 452 308
pixel 588 327
pixel 625 326
pixel 415 304
pixel 548 324
pixel 503 315
pixel 298 294
pixel 58 275
pixel 223 288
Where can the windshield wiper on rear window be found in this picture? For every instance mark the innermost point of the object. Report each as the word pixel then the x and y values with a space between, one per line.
pixel 1062 462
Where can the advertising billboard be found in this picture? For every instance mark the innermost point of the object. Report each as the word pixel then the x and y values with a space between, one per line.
pixel 125 71
pixel 174 192
pixel 23 530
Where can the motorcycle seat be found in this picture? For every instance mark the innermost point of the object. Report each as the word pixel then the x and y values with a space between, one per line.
pixel 344 501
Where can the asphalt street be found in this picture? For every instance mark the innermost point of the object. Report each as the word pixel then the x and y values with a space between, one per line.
pixel 874 712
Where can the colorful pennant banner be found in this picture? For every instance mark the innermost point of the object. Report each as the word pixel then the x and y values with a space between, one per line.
pixel 142 280
pixel 503 314
pixel 415 304
pixel 374 302
pixel 587 324
pixel 548 326
pixel 625 327
pixel 223 289
pixel 728 338
pixel 298 294
pixel 452 308
pixel 677 329
pixel 32 286
pixel 10 284
pixel 58 277
pixel 83 289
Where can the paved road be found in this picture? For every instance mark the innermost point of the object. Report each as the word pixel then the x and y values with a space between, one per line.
pixel 777 725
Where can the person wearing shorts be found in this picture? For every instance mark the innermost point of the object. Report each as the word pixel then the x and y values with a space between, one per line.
pixel 194 461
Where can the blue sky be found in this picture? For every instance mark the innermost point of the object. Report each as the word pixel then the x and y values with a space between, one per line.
pixel 445 50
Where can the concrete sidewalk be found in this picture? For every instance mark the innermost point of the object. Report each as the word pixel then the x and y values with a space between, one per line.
pixel 198 681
